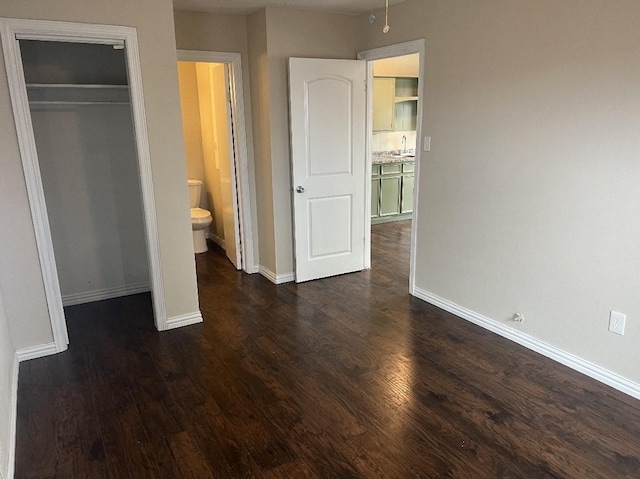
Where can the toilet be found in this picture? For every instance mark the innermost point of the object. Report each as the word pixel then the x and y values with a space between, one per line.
pixel 200 218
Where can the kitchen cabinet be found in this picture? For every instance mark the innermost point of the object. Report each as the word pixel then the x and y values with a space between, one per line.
pixel 384 92
pixel 392 191
pixel 395 104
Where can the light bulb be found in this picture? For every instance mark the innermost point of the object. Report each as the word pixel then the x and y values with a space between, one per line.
pixel 372 19
pixel 386 29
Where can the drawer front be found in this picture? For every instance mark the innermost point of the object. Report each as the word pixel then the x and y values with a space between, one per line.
pixel 408 167
pixel 391 168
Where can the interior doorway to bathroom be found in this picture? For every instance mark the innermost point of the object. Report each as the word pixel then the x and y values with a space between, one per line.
pixel 215 148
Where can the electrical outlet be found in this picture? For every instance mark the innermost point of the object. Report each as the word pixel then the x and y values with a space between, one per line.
pixel 617 322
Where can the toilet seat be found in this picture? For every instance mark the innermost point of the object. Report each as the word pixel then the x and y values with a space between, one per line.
pixel 199 216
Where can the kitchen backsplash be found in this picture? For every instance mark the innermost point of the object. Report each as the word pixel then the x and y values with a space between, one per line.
pixel 392 140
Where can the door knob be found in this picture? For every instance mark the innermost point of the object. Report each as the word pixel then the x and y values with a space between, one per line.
pixel 300 189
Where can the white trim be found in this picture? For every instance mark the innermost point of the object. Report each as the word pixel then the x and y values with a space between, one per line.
pixel 216 239
pixel 13 419
pixel 35 352
pixel 243 179
pixel 106 293
pixel 276 278
pixel 407 48
pixel 570 360
pixel 10 29
pixel 184 320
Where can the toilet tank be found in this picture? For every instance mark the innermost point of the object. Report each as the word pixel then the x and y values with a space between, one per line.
pixel 194 193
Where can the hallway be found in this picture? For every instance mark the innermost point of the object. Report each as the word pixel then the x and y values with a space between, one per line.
pixel 342 377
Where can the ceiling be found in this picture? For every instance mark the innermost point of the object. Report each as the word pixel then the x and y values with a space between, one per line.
pixel 244 7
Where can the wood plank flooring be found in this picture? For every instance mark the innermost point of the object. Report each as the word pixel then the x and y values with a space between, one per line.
pixel 337 378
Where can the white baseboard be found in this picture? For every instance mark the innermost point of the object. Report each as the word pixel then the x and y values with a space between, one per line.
pixel 35 352
pixel 216 239
pixel 570 360
pixel 13 420
pixel 276 278
pixel 106 293
pixel 184 320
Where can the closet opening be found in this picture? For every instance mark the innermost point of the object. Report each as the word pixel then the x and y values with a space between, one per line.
pixel 82 124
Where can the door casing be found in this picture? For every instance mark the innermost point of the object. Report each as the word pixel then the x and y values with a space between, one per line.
pixel 400 49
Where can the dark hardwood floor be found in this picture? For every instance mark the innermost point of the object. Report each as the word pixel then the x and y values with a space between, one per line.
pixel 342 377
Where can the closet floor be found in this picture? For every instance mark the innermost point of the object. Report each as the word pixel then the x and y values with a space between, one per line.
pixel 342 377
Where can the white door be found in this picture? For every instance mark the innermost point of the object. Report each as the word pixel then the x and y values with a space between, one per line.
pixel 227 160
pixel 328 134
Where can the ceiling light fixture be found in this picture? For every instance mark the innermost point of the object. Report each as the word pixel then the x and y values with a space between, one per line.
pixel 386 18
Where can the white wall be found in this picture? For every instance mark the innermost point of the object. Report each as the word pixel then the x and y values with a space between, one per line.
pixel 528 199
pixel 20 276
pixel 7 392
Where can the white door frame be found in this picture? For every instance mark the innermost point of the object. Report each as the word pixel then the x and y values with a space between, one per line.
pixel 12 30
pixel 241 170
pixel 400 49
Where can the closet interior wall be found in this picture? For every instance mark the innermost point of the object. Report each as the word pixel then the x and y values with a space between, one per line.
pixel 84 135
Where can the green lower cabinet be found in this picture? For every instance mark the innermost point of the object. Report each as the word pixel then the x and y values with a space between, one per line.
pixel 406 204
pixel 390 195
pixel 375 197
pixel 392 192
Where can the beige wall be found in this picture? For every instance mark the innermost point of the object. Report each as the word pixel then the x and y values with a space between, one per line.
pixel 528 198
pixel 19 268
pixel 6 388
pixel 260 107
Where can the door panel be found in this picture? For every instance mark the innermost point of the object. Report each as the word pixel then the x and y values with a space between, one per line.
pixel 327 102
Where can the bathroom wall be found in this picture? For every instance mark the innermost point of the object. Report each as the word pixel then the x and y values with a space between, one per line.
pixel 190 110
pixel 206 132
pixel 211 156
pixel 89 170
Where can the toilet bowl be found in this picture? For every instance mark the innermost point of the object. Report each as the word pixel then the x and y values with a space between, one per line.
pixel 200 218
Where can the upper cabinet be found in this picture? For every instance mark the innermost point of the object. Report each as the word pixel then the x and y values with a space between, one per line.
pixel 395 104
pixel 384 92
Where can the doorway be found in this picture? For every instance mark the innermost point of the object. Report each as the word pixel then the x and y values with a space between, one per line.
pixel 216 148
pixel 394 138
pixel 15 31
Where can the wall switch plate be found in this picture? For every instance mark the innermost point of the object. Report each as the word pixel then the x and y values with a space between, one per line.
pixel 617 322
pixel 426 144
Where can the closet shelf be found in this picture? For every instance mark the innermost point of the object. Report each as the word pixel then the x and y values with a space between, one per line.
pixel 76 85
pixel 53 102
pixel 77 94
